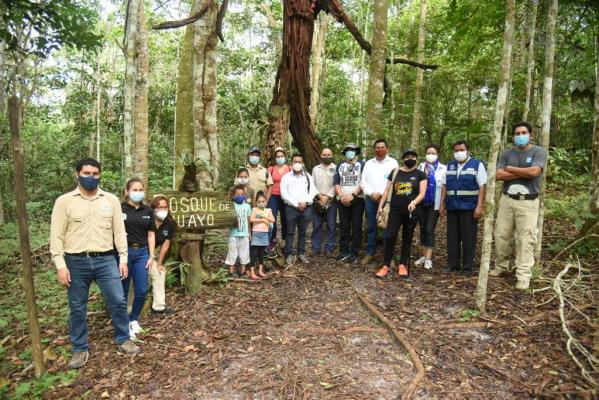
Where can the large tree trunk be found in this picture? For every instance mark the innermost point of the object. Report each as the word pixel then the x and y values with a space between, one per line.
pixel 530 64
pixel 129 90
pixel 376 77
pixel 416 121
pixel 546 115
pixel 506 60
pixel 3 119
pixel 140 166
pixel 594 197
pixel 318 52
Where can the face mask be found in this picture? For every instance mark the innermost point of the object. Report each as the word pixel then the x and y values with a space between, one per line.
pixel 161 215
pixel 254 160
pixel 88 183
pixel 326 160
pixel 522 140
pixel 460 155
pixel 280 160
pixel 239 199
pixel 136 196
pixel 381 153
pixel 297 167
pixel 410 163
pixel 243 181
pixel 350 154
pixel 431 158
pixel 261 205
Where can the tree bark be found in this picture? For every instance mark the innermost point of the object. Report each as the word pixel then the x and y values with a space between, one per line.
pixel 129 89
pixel 506 60
pixel 417 116
pixel 376 77
pixel 530 64
pixel 318 52
pixel 140 117
pixel 14 111
pixel 2 118
pixel 594 192
pixel 546 116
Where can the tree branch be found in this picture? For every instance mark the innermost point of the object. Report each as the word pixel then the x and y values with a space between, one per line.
pixel 184 22
pixel 219 20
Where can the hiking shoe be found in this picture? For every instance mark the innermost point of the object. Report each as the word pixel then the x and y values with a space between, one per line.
pixel 428 264
pixel 420 261
pixel 134 327
pixel 402 271
pixel 384 272
pixel 78 360
pixel 166 311
pixel 129 348
pixel 343 257
pixel 367 259
pixel 303 259
pixel 351 259
pixel 522 284
pixel 289 260
pixel 450 269
pixel 496 272
pixel 467 273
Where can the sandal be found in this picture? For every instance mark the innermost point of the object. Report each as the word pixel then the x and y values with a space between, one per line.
pixel 402 271
pixel 255 277
pixel 384 272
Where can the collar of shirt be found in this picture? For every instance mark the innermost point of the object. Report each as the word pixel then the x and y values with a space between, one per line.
pixel 384 160
pixel 141 206
pixel 78 192
pixel 258 168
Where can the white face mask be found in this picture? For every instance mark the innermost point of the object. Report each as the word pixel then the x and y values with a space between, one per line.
pixel 243 181
pixel 460 155
pixel 431 158
pixel 161 215
pixel 297 167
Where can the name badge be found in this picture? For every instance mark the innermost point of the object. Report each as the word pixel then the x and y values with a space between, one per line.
pixel 124 217
pixel 529 160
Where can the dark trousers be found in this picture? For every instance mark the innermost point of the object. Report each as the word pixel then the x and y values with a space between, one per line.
pixel 257 255
pixel 428 225
pixel 277 205
pixel 350 227
pixel 300 220
pixel 371 207
pixel 461 239
pixel 330 217
pixel 396 221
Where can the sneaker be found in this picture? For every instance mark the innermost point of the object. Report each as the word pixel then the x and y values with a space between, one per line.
pixel 289 260
pixel 420 261
pixel 351 259
pixel 166 311
pixel 303 259
pixel 402 271
pixel 450 269
pixel 467 273
pixel 522 284
pixel 367 259
pixel 343 257
pixel 384 272
pixel 78 360
pixel 428 264
pixel 129 348
pixel 134 327
pixel 496 272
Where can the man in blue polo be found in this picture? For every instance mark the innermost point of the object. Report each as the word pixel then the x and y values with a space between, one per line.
pixel 462 201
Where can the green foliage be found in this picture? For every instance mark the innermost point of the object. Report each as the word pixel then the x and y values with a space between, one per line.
pixel 467 315
pixel 34 389
pixel 569 166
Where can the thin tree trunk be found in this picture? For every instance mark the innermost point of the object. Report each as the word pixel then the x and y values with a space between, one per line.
pixel 416 121
pixel 530 65
pixel 2 118
pixel 14 111
pixel 594 197
pixel 318 55
pixel 546 116
pixel 98 108
pixel 506 60
pixel 376 77
pixel 129 90
pixel 140 166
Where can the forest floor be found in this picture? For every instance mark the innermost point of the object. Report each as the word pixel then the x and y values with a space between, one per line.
pixel 304 334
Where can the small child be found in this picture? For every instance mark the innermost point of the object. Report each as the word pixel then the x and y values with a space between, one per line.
pixel 261 219
pixel 239 236
pixel 243 179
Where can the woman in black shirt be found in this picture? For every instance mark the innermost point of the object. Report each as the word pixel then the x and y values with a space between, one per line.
pixel 409 187
pixel 165 230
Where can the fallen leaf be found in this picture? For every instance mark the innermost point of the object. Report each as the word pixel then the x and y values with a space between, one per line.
pixel 104 395
pixel 49 354
pixel 189 348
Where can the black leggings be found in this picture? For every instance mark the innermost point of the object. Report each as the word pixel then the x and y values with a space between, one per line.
pixel 396 221
pixel 257 255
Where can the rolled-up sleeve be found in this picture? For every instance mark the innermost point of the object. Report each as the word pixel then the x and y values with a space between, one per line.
pixel 120 235
pixel 58 229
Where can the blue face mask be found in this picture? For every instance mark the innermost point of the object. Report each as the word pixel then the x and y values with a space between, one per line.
pixel 239 199
pixel 88 183
pixel 280 160
pixel 136 197
pixel 522 140
pixel 254 160
pixel 350 154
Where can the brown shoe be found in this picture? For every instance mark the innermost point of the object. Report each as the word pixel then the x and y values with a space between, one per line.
pixel 367 259
pixel 78 360
pixel 129 348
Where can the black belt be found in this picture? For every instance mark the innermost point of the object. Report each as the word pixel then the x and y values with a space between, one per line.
pixel 91 253
pixel 137 246
pixel 522 196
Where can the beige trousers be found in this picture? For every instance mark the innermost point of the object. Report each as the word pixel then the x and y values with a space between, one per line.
pixel 517 219
pixel 158 287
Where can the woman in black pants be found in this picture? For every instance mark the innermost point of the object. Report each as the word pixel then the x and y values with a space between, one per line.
pixel 408 186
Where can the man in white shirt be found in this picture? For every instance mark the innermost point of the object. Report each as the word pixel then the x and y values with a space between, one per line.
pixel 298 192
pixel 325 206
pixel 373 184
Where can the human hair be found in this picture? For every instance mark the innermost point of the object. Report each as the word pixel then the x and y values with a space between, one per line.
pixel 155 203
pixel 88 161
pixel 280 151
pixel 522 123
pixel 236 188
pixel 433 146
pixel 297 155
pixel 242 169
pixel 459 142
pixel 260 194
pixel 380 141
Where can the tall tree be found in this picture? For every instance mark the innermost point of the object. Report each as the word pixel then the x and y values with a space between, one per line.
pixel 130 50
pixel 594 197
pixel 316 76
pixel 546 115
pixel 530 62
pixel 417 115
pixel 502 93
pixel 376 77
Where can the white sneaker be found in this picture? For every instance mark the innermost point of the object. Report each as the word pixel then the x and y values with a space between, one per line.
pixel 132 335
pixel 134 327
pixel 420 261
pixel 428 264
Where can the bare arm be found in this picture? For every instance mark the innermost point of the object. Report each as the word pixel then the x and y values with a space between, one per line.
pixel 503 175
pixel 526 173
pixel 383 199
pixel 151 247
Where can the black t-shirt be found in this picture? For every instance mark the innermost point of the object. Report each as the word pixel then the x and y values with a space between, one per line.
pixel 165 231
pixel 138 221
pixel 405 188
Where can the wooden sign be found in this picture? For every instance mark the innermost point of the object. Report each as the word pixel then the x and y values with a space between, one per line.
pixel 200 210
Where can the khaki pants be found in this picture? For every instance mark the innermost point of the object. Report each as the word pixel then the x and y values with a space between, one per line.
pixel 519 217
pixel 158 290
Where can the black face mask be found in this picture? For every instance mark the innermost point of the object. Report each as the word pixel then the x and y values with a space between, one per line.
pixel 410 163
pixel 326 160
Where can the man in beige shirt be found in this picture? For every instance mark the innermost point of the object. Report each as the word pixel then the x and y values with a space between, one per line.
pixel 86 225
pixel 260 178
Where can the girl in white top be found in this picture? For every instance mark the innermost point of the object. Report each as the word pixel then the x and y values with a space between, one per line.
pixel 432 201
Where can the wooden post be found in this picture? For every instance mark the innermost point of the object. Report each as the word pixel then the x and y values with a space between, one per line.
pixel 14 112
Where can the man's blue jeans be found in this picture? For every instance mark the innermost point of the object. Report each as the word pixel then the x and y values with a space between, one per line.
pixel 330 217
pixel 105 271
pixel 371 208
pixel 138 259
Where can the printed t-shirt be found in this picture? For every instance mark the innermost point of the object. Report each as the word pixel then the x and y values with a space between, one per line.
pixel 243 212
pixel 406 188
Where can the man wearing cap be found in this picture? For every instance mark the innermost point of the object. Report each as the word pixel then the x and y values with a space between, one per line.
pixel 351 203
pixel 521 168
pixel 374 182
pixel 260 179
